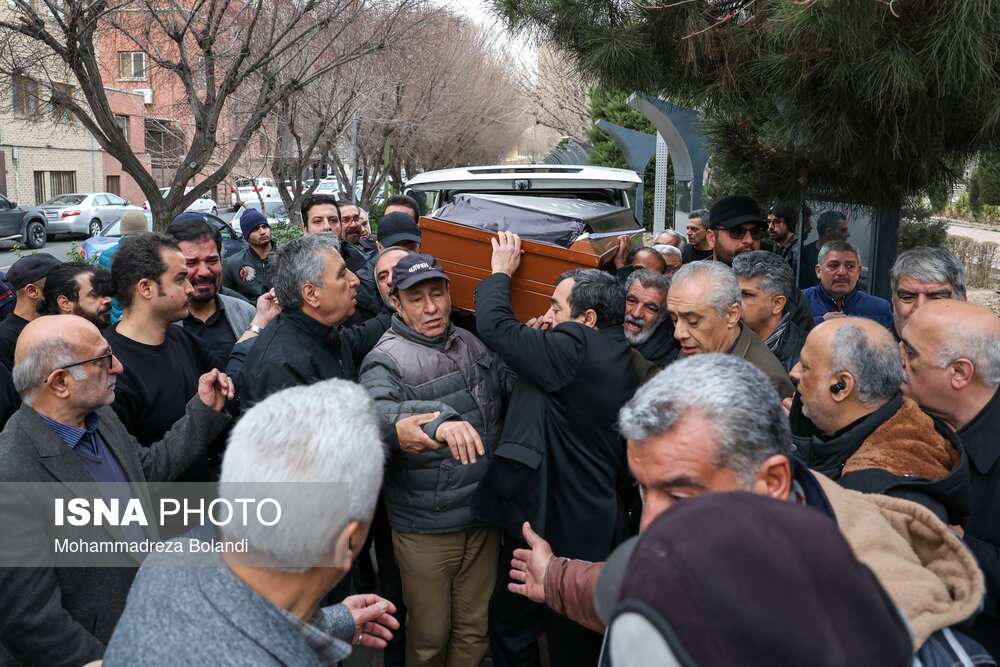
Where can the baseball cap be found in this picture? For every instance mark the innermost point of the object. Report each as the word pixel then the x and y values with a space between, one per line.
pixel 740 578
pixel 397 226
pixel 133 222
pixel 733 211
pixel 414 269
pixel 30 269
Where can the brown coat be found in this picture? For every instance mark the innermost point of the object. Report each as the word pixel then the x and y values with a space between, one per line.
pixel 749 346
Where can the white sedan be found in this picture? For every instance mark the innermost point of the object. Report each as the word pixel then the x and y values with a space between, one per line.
pixel 203 204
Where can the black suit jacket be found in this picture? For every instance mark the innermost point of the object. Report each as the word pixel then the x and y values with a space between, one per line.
pixel 559 456
pixel 65 615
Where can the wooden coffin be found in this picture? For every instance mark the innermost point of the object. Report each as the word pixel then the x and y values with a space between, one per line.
pixel 464 250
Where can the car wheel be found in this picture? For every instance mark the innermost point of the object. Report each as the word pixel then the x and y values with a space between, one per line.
pixel 95 227
pixel 34 235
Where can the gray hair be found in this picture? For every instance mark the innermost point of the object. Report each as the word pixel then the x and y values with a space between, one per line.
pixel 930 265
pixel 702 215
pixel 649 280
pixel 777 273
pixel 39 362
pixel 301 262
pixel 983 350
pixel 877 368
pixel 667 249
pixel 725 288
pixel 318 447
pixel 837 246
pixel 598 291
pixel 734 397
pixel 676 235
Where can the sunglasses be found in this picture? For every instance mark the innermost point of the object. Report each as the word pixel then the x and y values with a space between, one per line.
pixel 737 233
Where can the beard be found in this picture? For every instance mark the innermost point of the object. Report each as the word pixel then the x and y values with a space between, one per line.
pixel 646 330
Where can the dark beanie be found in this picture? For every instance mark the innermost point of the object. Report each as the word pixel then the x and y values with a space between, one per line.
pixel 251 220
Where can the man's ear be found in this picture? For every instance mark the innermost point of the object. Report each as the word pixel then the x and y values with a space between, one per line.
pixel 817 271
pixel 397 306
pixel 57 384
pixel 710 237
pixel 588 318
pixel 349 544
pixel 309 296
pixel 147 288
pixel 379 246
pixel 962 371
pixel 733 314
pixel 64 304
pixel 33 292
pixel 774 478
pixel 778 304
pixel 849 390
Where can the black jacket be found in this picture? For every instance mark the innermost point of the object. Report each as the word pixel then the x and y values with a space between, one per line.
pixel 661 348
pixel 295 349
pixel 789 345
pixel 982 529
pixel 248 274
pixel 949 497
pixel 559 455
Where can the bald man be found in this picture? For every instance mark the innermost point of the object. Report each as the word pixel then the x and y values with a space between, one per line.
pixel 65 372
pixel 647 258
pixel 873 439
pixel 951 355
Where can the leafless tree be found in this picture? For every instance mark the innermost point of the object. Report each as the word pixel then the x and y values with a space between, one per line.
pixel 452 102
pixel 560 95
pixel 229 63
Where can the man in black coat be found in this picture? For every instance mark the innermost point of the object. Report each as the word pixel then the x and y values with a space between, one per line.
pixel 951 355
pixel 559 457
pixel 64 433
pixel 305 342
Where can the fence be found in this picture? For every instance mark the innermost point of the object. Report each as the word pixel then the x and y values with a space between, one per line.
pixel 981 260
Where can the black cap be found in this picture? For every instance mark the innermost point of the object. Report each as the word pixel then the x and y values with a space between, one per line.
pixel 734 211
pixel 30 269
pixel 737 578
pixel 414 269
pixel 397 226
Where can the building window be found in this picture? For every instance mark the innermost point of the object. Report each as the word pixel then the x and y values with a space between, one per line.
pixel 62 112
pixel 132 65
pixel 121 122
pixel 25 96
pixel 62 182
pixel 114 185
pixel 39 187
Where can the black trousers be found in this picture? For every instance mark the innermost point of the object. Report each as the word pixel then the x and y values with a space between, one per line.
pixel 516 623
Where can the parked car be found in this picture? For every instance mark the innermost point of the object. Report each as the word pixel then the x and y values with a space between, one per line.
pixel 83 212
pixel 603 184
pixel 254 189
pixel 23 224
pixel 92 248
pixel 275 211
pixel 203 204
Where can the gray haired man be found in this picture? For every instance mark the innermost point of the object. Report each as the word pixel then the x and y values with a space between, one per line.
pixel 262 607
pixel 920 275
pixel 767 286
pixel 687 439
pixel 647 324
pixel 874 440
pixel 705 304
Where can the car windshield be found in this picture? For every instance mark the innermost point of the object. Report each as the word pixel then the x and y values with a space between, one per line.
pixel 273 209
pixel 245 183
pixel 65 200
pixel 327 186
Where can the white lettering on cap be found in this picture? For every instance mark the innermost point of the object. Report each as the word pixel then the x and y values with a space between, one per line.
pixel 417 267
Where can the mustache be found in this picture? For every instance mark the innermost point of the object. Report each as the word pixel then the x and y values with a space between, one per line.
pixel 637 321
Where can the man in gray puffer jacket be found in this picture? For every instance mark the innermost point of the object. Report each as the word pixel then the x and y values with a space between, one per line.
pixel 448 561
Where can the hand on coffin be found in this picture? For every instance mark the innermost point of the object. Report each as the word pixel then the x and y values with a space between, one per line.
pixel 506 253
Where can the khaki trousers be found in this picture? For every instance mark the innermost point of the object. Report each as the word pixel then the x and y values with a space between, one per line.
pixel 447 582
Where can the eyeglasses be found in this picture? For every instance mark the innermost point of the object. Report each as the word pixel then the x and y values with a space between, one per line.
pixel 737 233
pixel 87 361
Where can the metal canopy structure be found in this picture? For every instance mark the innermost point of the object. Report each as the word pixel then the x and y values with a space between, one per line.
pixel 638 149
pixel 680 129
pixel 573 151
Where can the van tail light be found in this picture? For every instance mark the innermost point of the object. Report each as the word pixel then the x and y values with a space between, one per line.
pixel 67 214
pixel 82 253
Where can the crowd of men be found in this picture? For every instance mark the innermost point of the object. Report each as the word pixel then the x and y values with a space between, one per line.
pixel 500 471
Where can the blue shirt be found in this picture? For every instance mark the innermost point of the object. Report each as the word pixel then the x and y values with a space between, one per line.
pixel 856 304
pixel 99 460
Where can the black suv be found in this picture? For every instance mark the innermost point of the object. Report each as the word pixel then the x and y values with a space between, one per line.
pixel 26 225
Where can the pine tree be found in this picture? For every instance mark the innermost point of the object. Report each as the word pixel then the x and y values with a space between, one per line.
pixel 870 101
